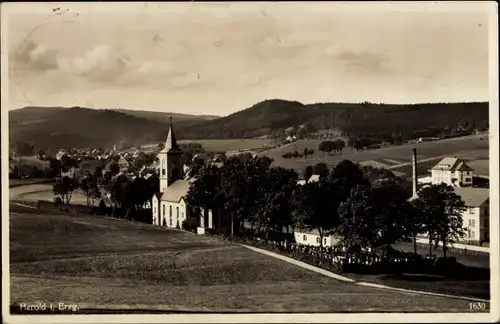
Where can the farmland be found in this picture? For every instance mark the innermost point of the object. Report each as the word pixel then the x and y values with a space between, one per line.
pixel 35 192
pixel 225 145
pixel 99 263
pixel 396 158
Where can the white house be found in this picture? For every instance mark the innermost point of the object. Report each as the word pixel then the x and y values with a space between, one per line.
pixel 169 206
pixel 60 155
pixel 312 238
pixel 452 171
pixel 476 218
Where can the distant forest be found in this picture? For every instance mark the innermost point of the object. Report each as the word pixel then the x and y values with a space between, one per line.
pixel 88 128
pixel 368 120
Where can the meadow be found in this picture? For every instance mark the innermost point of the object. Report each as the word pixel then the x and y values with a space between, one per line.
pixel 224 145
pixel 101 263
pixel 471 148
pixel 35 192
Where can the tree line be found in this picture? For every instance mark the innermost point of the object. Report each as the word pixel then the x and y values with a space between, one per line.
pixel 365 208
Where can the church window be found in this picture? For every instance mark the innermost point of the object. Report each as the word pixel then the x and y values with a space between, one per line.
pixel 177 214
pixel 170 213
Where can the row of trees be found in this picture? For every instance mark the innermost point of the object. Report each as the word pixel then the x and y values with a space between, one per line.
pixel 365 208
pixel 296 154
pixel 127 197
pixel 332 146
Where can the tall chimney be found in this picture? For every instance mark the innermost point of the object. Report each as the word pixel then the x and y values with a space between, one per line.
pixel 414 173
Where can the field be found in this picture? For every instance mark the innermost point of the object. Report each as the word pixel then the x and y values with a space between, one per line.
pixel 31 162
pixel 35 192
pixel 99 263
pixel 226 145
pixel 474 148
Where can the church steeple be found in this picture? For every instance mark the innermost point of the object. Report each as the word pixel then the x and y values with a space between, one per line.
pixel 171 143
pixel 170 161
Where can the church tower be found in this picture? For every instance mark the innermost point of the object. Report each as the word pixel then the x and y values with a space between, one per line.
pixel 170 161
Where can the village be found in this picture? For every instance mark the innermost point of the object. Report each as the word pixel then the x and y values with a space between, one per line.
pixel 165 176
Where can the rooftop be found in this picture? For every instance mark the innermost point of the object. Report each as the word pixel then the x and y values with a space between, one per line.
pixel 473 197
pixel 171 145
pixel 452 164
pixel 176 191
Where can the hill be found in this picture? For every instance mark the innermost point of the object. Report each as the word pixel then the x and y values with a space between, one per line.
pixel 104 261
pixel 358 120
pixel 165 116
pixel 79 127
pixel 82 127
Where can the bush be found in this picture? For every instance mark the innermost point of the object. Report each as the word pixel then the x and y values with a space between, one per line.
pixel 190 224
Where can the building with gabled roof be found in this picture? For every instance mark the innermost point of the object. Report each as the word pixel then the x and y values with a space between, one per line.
pixel 476 218
pixel 169 204
pixel 452 171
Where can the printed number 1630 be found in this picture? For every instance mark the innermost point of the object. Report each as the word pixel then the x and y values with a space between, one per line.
pixel 477 306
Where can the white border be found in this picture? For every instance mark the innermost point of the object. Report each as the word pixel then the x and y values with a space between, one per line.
pixel 460 6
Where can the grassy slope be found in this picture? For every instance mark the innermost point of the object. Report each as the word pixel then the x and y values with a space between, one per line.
pixel 102 263
pixel 467 147
pixel 165 116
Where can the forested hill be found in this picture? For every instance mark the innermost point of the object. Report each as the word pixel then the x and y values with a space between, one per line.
pixel 82 127
pixel 364 119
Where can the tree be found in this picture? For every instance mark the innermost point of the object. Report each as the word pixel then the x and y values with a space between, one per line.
pixel 357 215
pixel 322 147
pixel 308 172
pixel 339 145
pixel 273 205
pixel 234 189
pixel 113 167
pixel 40 154
pixel 313 208
pixel 67 162
pixel 347 175
pixel 391 207
pixel 414 222
pixel 64 188
pixel 320 169
pixel 205 193
pixel 442 209
pixel 55 166
pixel 196 166
pixel 89 186
pixel 98 172
pixel 160 147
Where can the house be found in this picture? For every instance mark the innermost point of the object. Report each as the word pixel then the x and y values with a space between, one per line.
pixel 312 238
pixel 169 205
pixel 476 218
pixel 60 155
pixel 452 171
pixel 70 173
pixel 302 180
pixel 124 164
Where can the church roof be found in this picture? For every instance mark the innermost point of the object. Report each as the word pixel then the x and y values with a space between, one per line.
pixel 176 191
pixel 171 145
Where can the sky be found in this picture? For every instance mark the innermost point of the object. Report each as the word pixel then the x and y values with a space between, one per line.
pixel 213 58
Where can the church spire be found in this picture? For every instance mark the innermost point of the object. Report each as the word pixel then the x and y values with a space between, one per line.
pixel 171 143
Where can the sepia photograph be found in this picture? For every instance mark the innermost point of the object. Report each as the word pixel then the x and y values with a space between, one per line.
pixel 264 162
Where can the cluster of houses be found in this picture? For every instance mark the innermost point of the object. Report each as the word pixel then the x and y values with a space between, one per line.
pixel 170 209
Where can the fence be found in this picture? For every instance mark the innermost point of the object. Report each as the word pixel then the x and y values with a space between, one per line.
pixel 337 261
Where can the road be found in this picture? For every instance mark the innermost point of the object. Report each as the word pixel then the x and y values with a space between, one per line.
pixel 471 259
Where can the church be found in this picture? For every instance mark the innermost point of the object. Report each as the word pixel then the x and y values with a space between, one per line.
pixel 169 205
